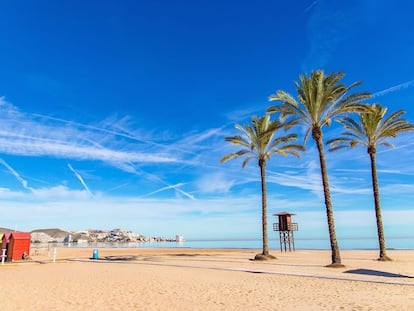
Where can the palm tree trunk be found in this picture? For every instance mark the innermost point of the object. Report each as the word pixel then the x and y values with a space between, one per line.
pixel 262 164
pixel 381 238
pixel 336 257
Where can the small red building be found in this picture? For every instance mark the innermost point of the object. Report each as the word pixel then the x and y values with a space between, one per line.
pixel 19 246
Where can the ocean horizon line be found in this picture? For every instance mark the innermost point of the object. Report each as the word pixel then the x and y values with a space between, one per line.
pixel 397 243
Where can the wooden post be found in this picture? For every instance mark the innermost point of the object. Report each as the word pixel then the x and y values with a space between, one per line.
pixel 3 256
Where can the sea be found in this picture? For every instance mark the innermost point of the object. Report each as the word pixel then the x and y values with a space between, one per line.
pixel 400 243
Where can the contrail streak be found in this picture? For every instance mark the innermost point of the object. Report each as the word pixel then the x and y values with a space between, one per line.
pixel 81 180
pixel 124 133
pixel 185 193
pixel 22 181
pixel 175 187
pixel 311 6
pixel 164 188
pixel 394 88
pixel 95 128
pixel 156 178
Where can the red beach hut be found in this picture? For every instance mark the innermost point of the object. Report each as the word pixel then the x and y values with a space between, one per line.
pixel 19 245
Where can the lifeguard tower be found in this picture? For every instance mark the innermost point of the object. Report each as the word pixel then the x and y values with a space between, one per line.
pixel 286 227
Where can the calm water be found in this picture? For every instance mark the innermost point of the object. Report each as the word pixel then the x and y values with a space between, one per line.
pixel 371 243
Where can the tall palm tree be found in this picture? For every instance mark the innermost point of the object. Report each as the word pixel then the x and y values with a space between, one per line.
pixel 372 130
pixel 258 142
pixel 320 98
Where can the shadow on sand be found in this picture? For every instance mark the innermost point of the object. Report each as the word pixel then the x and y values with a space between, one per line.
pixel 185 255
pixel 119 258
pixel 378 273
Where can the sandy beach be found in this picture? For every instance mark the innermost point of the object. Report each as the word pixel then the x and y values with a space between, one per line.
pixel 200 279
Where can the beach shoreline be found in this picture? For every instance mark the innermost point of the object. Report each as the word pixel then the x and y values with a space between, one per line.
pixel 207 279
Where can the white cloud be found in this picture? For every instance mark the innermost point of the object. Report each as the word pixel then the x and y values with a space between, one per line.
pixel 240 215
pixel 8 194
pixel 215 183
pixel 241 115
pixel 195 138
pixel 57 193
pixel 34 135
pixel 73 210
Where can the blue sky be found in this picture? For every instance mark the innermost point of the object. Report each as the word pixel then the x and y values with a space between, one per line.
pixel 113 114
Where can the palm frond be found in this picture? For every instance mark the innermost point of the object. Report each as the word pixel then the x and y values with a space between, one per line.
pixel 237 140
pixel 292 149
pixel 260 141
pixel 282 139
pixel 289 107
pixel 337 143
pixel 386 144
pixel 246 161
pixel 234 155
pixel 332 149
pixel 354 84
pixel 372 129
pixel 320 98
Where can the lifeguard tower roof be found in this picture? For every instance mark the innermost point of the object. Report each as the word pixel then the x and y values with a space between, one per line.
pixel 283 214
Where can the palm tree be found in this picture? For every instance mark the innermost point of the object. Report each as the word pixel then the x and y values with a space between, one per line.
pixel 258 142
pixel 320 98
pixel 372 130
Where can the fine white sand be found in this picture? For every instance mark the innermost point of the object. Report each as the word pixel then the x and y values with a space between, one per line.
pixel 195 279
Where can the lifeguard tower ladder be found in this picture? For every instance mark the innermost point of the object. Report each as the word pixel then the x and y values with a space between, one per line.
pixel 286 227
